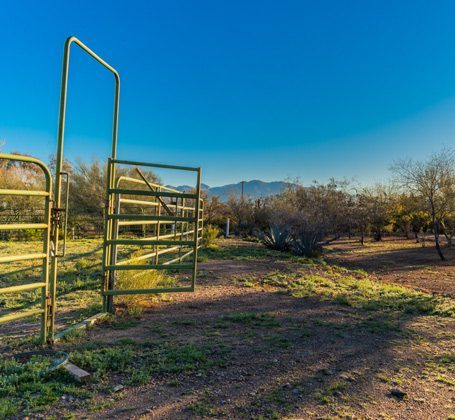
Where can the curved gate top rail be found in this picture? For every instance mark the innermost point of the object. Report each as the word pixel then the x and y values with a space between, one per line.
pixel 61 133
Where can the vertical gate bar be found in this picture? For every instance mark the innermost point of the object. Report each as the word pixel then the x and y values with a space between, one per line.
pixel 182 225
pixel 158 225
pixel 196 233
pixel 110 233
pixel 202 220
pixel 113 248
pixel 175 224
pixel 45 267
pixel 106 262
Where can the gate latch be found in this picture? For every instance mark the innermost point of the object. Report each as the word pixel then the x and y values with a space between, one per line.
pixel 56 216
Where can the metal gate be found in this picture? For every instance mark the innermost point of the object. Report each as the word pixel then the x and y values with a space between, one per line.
pixel 47 297
pixel 181 210
pixel 167 210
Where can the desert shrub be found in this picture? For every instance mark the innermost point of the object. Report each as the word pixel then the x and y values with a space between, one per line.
pixel 140 279
pixel 209 236
pixel 277 237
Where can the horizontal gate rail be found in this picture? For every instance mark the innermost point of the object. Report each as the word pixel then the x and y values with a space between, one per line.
pixel 155 165
pixel 21 315
pixel 147 242
pixel 25 257
pixel 150 267
pixel 45 312
pixel 30 193
pixel 147 217
pixel 150 255
pixel 147 291
pixel 23 226
pixel 152 193
pixel 138 202
pixel 21 288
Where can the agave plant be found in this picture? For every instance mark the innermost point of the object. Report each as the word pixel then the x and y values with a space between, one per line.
pixel 307 242
pixel 277 237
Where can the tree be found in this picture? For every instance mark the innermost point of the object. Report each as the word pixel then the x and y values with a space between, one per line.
pixel 214 209
pixel 434 181
pixel 376 203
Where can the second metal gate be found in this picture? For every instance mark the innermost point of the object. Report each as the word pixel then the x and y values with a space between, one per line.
pixel 176 219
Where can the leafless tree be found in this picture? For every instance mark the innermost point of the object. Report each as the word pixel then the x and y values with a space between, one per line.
pixel 434 181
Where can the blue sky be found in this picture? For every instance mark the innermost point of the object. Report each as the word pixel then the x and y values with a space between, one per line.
pixel 245 89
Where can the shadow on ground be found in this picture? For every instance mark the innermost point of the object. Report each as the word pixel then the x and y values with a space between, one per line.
pixel 310 357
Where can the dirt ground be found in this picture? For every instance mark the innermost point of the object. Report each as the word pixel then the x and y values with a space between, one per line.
pixel 275 355
pixel 316 360
pixel 399 261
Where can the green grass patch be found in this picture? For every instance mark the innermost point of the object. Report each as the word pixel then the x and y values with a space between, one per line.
pixel 241 253
pixel 328 395
pixel 365 294
pixel 252 319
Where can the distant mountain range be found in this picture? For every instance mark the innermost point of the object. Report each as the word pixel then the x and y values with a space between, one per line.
pixel 252 189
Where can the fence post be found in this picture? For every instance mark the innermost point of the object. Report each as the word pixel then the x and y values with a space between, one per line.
pixel 227 227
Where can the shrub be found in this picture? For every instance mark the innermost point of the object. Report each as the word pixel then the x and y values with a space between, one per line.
pixel 140 279
pixel 210 234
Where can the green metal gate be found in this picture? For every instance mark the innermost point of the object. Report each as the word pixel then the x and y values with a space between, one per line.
pixel 47 297
pixel 184 213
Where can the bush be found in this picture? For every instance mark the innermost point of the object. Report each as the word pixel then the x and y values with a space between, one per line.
pixel 210 234
pixel 140 279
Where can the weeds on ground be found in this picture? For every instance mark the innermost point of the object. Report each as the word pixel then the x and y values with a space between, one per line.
pixel 23 390
pixel 355 289
pixel 328 395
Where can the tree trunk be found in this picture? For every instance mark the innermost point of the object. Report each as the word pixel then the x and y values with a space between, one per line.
pixel 436 240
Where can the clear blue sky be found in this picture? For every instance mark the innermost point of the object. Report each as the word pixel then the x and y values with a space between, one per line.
pixel 245 89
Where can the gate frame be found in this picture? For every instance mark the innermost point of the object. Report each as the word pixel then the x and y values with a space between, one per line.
pixel 60 143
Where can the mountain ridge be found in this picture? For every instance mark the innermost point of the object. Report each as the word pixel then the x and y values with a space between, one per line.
pixel 253 189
